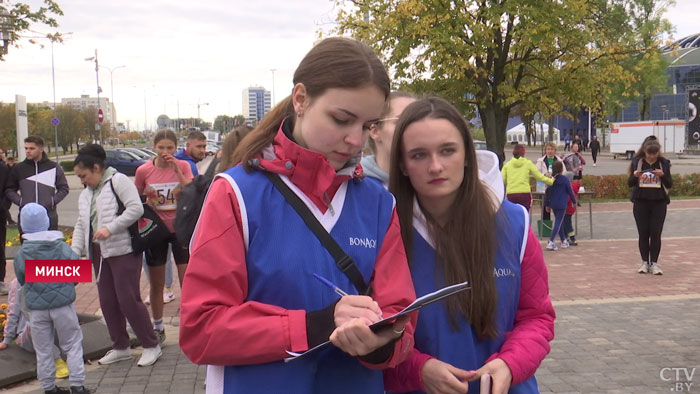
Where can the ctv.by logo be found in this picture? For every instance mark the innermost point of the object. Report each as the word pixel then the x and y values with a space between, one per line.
pixel 681 377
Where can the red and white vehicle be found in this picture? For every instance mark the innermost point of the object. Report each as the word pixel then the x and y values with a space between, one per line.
pixel 627 137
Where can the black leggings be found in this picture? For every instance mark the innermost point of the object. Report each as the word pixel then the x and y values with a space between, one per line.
pixel 594 153
pixel 649 216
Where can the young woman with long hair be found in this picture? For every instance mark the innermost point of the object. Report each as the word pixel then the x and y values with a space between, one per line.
pixel 251 295
pixel 457 226
pixel 160 180
pixel 650 179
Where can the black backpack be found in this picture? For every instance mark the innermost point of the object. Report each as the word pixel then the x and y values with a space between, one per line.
pixel 190 202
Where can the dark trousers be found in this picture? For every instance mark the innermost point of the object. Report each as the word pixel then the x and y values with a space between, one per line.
pixel 649 216
pixel 524 199
pixel 594 153
pixel 3 235
pixel 558 227
pixel 568 226
pixel 120 298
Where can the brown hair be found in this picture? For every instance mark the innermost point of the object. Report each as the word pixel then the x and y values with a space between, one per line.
pixel 165 134
pixel 35 139
pixel 651 145
pixel 385 113
pixel 336 62
pixel 465 245
pixel 230 143
pixel 551 144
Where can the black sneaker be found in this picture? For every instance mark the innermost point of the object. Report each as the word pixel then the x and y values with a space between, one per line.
pixel 572 242
pixel 57 390
pixel 79 390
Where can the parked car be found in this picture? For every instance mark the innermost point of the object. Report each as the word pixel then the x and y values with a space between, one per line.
pixel 149 151
pixel 212 149
pixel 480 145
pixel 138 152
pixel 123 161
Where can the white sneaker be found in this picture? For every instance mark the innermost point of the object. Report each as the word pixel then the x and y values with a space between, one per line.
pixel 644 268
pixel 551 246
pixel 564 244
pixel 168 295
pixel 114 356
pixel 150 356
pixel 593 164
pixel 655 269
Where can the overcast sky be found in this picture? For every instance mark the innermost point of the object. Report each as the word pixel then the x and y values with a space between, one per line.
pixel 191 52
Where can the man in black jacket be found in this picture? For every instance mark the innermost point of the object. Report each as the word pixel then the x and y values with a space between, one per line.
pixel 595 148
pixel 37 179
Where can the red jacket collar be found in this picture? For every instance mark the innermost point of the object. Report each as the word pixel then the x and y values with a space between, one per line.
pixel 310 171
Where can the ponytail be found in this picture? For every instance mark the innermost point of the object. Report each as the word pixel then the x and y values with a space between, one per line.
pixel 263 134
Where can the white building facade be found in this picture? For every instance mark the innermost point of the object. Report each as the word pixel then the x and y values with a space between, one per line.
pixel 257 102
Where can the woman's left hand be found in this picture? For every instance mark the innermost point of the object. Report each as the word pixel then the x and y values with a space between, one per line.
pixel 501 377
pixel 659 173
pixel 355 337
pixel 102 234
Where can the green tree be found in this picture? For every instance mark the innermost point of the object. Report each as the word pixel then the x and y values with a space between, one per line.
pixel 21 17
pixel 72 126
pixel 8 127
pixel 495 55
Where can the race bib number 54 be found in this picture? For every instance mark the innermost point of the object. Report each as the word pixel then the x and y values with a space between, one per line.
pixel 163 196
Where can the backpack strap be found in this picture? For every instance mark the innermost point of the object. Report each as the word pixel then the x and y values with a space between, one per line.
pixel 120 205
pixel 342 259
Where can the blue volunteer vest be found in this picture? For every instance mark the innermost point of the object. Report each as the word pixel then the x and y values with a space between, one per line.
pixel 462 348
pixel 282 255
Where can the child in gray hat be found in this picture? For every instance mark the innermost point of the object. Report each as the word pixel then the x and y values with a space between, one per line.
pixel 50 304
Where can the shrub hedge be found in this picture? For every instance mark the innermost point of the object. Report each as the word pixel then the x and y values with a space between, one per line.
pixel 67 165
pixel 615 186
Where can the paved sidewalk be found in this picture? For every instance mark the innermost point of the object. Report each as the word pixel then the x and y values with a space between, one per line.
pixel 616 331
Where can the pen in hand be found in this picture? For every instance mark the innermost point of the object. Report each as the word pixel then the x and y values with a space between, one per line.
pixel 330 284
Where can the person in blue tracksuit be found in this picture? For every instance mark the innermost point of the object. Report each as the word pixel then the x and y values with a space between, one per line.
pixel 556 201
pixel 456 226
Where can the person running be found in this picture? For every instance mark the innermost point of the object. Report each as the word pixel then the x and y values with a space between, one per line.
pixel 650 178
pixel 251 296
pixel 160 180
pixel 501 326
pixel 380 136
pixel 556 202
pixel 595 149
pixel 516 175
pixel 102 234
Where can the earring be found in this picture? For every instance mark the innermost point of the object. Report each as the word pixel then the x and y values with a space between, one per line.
pixel 300 114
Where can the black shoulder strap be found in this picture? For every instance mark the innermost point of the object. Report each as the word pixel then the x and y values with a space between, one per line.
pixel 120 205
pixel 212 167
pixel 342 260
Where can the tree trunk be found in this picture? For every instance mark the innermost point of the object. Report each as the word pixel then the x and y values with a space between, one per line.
pixel 495 120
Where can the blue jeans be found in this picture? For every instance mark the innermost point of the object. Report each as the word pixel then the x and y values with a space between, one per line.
pixel 558 227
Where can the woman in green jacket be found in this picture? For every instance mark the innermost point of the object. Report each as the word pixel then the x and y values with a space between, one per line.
pixel 516 176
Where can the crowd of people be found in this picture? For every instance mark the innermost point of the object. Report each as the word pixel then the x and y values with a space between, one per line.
pixel 383 229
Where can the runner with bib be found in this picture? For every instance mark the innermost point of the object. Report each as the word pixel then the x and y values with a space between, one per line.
pixel 161 180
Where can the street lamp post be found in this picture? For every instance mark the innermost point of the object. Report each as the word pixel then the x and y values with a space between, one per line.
pixel 198 105
pixel 97 77
pixel 111 87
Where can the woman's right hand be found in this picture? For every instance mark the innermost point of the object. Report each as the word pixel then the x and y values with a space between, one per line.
pixel 439 377
pixel 3 346
pixel 353 307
